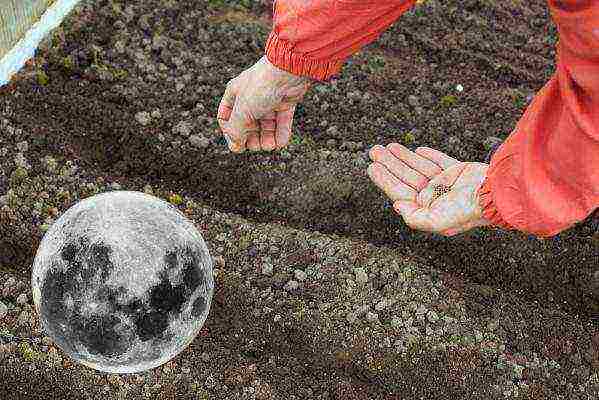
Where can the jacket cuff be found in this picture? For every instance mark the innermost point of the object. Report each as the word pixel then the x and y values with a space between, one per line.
pixel 280 54
pixel 489 209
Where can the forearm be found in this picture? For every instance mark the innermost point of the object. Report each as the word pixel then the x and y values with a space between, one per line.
pixel 315 38
pixel 545 177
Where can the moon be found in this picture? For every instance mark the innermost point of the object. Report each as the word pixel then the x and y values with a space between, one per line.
pixel 122 282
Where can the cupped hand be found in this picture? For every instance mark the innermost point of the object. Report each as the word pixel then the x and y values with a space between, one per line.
pixel 256 111
pixel 432 191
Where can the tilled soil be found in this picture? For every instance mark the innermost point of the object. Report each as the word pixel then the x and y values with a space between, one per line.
pixel 127 92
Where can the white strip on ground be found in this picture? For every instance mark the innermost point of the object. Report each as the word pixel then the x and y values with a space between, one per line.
pixel 25 48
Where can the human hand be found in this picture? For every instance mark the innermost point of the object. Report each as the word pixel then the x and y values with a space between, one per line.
pixel 432 191
pixel 256 111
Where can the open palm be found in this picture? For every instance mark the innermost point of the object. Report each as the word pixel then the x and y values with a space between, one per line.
pixel 411 181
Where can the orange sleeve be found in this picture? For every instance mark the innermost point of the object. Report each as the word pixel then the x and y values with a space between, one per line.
pixel 314 38
pixel 545 177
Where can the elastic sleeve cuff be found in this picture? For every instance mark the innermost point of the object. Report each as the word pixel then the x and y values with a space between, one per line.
pixel 489 209
pixel 280 54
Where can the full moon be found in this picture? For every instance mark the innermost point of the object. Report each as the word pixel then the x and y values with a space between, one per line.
pixel 122 282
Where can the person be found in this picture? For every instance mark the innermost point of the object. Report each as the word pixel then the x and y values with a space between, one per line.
pixel 543 179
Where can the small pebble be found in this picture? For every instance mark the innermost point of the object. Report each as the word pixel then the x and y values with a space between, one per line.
pixel 291 286
pixel 396 322
pixel 333 131
pixel 300 275
pixel 413 100
pixel 432 316
pixel 351 317
pixel 3 310
pixel 10 282
pixel 23 318
pixel 182 128
pixel 492 325
pixel 22 299
pixel 381 305
pixel 478 336
pixel 372 317
pixel 143 118
pixel 22 146
pixel 199 141
pixel 361 276
pixel 267 269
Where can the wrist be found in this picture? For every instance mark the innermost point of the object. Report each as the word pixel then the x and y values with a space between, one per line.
pixel 285 56
pixel 286 75
pixel 480 208
pixel 479 201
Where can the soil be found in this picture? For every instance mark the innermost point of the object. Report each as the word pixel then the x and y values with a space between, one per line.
pixel 98 74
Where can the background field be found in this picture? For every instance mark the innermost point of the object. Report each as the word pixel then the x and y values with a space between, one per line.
pixel 124 96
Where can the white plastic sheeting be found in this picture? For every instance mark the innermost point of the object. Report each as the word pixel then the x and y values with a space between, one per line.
pixel 20 16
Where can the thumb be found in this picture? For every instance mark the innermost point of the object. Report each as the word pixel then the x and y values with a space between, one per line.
pixel 242 123
pixel 225 109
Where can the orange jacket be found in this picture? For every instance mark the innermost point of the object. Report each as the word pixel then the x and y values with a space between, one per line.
pixel 545 176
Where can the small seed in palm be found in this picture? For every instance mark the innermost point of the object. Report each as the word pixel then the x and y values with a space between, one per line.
pixel 440 190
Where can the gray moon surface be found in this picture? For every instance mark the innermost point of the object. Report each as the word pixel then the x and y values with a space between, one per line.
pixel 122 282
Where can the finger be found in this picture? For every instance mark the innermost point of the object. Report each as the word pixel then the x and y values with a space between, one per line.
pixel 284 119
pixel 441 159
pixel 268 126
pixel 253 141
pixel 421 164
pixel 223 124
pixel 241 122
pixel 426 197
pixel 234 147
pixel 394 188
pixel 226 107
pixel 227 102
pixel 399 169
